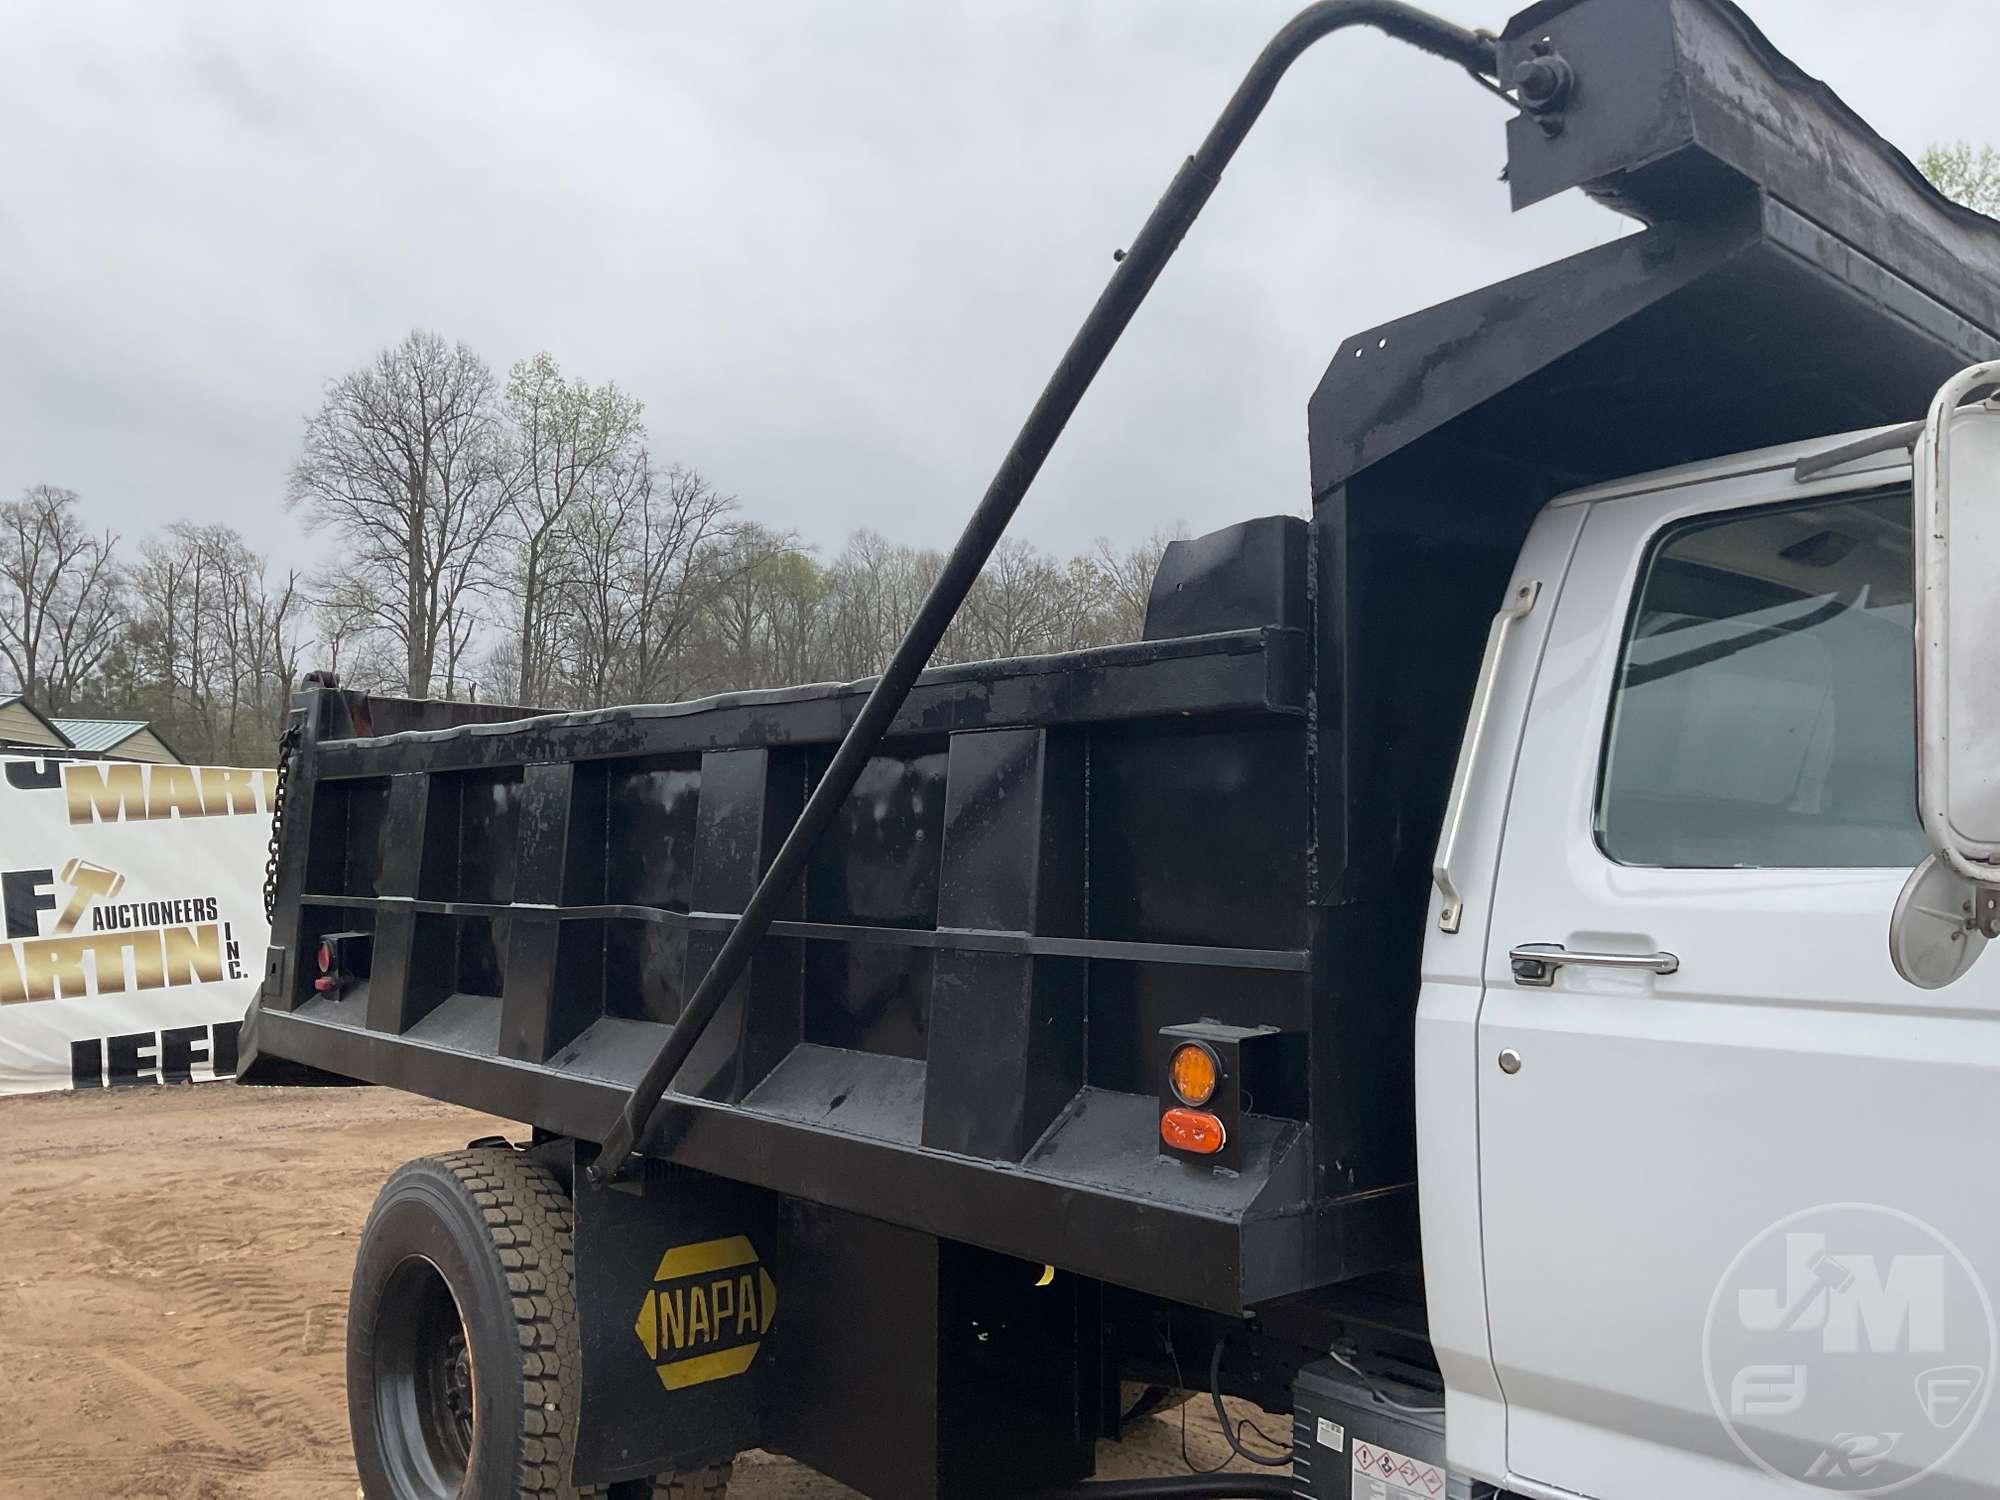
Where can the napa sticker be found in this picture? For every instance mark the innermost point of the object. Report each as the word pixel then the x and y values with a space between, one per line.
pixel 707 1311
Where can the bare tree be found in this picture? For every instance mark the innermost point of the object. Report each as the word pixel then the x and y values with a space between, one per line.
pixel 873 590
pixel 60 595
pixel 599 613
pixel 672 549
pixel 489 542
pixel 1120 581
pixel 1016 606
pixel 648 550
pixel 173 588
pixel 741 602
pixel 258 640
pixel 349 621
pixel 462 629
pixel 215 644
pixel 566 436
pixel 403 463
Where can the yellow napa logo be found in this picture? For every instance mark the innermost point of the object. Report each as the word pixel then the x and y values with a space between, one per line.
pixel 706 1312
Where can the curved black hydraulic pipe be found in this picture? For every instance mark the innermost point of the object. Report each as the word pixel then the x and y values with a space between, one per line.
pixel 1137 270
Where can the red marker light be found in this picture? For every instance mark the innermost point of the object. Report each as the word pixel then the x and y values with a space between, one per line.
pixel 1192 1130
pixel 326 958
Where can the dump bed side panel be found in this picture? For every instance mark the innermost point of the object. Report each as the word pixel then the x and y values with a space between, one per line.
pixel 957 1023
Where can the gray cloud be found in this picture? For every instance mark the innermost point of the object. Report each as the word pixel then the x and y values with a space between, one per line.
pixel 834 248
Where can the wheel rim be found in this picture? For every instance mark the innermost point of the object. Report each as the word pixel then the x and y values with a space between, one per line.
pixel 424 1384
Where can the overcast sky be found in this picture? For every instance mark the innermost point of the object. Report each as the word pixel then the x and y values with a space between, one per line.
pixel 835 248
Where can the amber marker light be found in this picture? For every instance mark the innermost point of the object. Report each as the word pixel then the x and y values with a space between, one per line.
pixel 1192 1130
pixel 1192 1073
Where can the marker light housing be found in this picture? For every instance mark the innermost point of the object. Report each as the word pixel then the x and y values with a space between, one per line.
pixel 1210 1074
pixel 342 958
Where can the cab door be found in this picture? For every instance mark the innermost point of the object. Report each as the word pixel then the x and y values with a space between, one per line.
pixel 1735 1175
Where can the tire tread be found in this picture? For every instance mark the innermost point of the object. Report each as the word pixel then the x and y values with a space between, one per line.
pixel 533 1229
pixel 710 1483
pixel 532 1224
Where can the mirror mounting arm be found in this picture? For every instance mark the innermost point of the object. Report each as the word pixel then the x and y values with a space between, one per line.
pixel 1986 910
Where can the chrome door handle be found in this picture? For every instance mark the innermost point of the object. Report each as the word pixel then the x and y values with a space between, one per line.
pixel 1536 963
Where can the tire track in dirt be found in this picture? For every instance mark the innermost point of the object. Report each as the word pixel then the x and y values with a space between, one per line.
pixel 176 1286
pixel 179 1471
pixel 228 1310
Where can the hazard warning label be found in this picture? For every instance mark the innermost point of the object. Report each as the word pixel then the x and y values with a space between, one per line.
pixel 1384 1474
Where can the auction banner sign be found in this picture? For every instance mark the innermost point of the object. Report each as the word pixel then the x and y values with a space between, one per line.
pixel 134 915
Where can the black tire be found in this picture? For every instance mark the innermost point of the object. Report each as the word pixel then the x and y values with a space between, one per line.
pixel 711 1483
pixel 463 1358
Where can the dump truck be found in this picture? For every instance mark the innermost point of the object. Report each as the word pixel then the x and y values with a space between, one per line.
pixel 1489 977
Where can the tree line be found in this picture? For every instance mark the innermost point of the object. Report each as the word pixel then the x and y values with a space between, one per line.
pixel 497 538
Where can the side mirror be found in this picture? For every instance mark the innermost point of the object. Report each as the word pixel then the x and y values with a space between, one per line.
pixel 1951 904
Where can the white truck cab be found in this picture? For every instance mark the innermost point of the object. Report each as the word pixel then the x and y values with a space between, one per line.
pixel 1701 1171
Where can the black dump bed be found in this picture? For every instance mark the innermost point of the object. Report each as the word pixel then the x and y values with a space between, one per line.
pixel 958 1024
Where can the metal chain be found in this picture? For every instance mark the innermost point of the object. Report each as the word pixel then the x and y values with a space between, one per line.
pixel 288 744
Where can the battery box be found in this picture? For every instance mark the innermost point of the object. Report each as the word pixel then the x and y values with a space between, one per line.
pixel 1347 1444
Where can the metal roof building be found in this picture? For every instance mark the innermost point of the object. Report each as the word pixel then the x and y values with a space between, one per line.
pixel 117 739
pixel 25 727
pixel 26 730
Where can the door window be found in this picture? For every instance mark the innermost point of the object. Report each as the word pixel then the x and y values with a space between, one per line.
pixel 1765 713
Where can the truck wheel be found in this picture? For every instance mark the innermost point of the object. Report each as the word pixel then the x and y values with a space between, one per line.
pixel 711 1483
pixel 463 1362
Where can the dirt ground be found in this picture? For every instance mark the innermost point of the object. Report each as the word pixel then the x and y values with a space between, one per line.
pixel 173 1285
